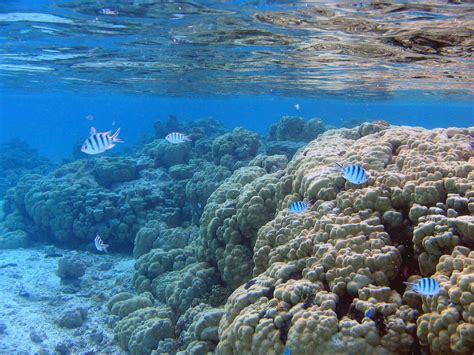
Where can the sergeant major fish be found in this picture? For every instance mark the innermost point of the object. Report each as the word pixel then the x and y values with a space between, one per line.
pixel 426 286
pixel 99 244
pixel 100 142
pixel 354 173
pixel 298 207
pixel 177 138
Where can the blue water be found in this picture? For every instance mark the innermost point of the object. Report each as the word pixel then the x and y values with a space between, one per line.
pixel 69 65
pixel 54 123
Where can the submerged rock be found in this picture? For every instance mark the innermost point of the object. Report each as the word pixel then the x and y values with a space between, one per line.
pixel 72 318
pixel 14 240
pixel 71 267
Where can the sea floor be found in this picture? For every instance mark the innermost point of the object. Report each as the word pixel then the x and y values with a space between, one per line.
pixel 33 297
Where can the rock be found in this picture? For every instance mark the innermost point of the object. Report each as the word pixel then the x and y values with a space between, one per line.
pixel 37 336
pixel 96 336
pixel 70 268
pixel 72 318
pixel 14 240
pixel 63 347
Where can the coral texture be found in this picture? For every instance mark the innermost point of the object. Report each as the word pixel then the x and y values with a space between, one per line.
pixel 329 279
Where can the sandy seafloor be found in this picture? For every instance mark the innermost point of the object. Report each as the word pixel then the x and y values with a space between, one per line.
pixel 32 297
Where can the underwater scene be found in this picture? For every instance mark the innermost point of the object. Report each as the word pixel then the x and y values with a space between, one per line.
pixel 236 177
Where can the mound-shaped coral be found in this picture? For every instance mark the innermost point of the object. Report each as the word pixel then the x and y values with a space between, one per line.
pixel 235 148
pixel 231 219
pixel 17 158
pixel 296 129
pixel 447 325
pixel 329 279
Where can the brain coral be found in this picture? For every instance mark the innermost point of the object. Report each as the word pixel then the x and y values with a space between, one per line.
pixel 318 274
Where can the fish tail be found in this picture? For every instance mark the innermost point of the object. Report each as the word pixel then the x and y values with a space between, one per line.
pixel 410 286
pixel 115 137
pixel 104 247
pixel 187 138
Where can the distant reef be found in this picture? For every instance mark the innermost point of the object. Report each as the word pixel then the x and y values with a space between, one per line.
pixel 17 158
pixel 222 265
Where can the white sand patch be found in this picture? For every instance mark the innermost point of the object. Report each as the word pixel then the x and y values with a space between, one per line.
pixel 32 297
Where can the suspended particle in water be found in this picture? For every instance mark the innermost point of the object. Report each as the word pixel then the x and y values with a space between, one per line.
pixel 297 106
pixel 90 117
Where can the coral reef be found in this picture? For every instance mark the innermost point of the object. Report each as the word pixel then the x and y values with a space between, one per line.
pixel 17 158
pixel 231 219
pixel 254 277
pixel 317 274
pixel 296 129
pixel 447 323
pixel 234 149
pixel 13 240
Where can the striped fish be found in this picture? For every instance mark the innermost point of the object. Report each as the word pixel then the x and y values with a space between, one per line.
pixel 177 138
pixel 354 173
pixel 100 142
pixel 426 286
pixel 99 244
pixel 298 207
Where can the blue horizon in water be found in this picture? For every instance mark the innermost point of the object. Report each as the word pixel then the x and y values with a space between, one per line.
pixel 55 123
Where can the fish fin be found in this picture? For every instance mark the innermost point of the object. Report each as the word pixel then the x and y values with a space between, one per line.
pixel 115 137
pixel 93 131
pixel 339 165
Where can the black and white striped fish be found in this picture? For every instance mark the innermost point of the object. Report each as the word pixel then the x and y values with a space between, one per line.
pixel 298 207
pixel 100 142
pixel 177 138
pixel 354 173
pixel 426 286
pixel 99 244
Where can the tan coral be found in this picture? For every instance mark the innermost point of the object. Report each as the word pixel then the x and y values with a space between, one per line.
pixel 448 323
pixel 355 244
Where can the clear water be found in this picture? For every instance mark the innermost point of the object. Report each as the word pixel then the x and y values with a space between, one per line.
pixel 67 65
pixel 246 63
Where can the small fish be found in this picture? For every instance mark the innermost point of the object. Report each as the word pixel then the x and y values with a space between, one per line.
pixel 177 138
pixel 53 255
pixel 297 107
pixel 370 313
pixel 99 244
pixel 288 351
pixel 108 12
pixel 298 206
pixel 426 286
pixel 354 173
pixel 199 205
pixel 100 142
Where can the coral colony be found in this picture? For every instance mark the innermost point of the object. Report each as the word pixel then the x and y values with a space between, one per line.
pixel 222 265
